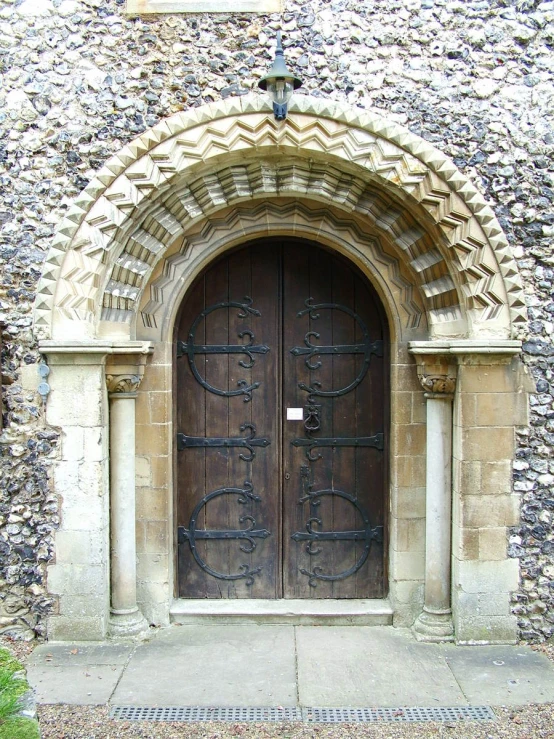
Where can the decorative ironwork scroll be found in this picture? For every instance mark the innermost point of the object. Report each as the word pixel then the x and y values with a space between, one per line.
pixel 366 347
pixel 190 349
pixel 312 422
pixel 375 441
pixel 247 535
pixel 312 536
pixel 247 442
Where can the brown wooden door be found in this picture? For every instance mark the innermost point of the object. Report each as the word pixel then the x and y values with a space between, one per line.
pixel 281 421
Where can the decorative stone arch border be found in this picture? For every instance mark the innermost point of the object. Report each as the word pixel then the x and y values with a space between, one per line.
pixel 169 178
pixel 287 217
pixel 214 177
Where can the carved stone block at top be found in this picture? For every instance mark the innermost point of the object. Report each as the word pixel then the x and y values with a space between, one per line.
pixel 444 384
pixel 123 383
pixel 135 7
pixel 124 374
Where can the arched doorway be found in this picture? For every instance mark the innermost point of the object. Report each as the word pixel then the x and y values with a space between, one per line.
pixel 282 427
pixel 200 184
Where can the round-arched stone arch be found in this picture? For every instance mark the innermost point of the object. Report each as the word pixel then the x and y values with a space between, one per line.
pixel 206 181
pixel 284 217
pixel 190 166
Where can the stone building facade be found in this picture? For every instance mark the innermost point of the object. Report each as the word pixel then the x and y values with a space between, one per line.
pixel 136 149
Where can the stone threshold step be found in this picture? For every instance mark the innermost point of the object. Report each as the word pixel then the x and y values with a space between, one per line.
pixel 292 612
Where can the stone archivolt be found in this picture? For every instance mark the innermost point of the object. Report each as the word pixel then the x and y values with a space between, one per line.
pixel 252 220
pixel 192 165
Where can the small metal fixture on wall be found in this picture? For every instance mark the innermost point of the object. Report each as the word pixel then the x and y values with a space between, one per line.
pixel 279 82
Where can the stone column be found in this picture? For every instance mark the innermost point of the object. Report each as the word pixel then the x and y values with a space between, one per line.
pixel 123 381
pixel 435 622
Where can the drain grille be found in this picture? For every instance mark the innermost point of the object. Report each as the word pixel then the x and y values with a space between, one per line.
pixel 307 715
pixel 201 713
pixel 434 713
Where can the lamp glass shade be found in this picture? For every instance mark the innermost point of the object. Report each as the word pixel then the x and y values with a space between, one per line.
pixel 280 90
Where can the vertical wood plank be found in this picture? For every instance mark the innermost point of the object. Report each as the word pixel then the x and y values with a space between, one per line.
pixel 345 367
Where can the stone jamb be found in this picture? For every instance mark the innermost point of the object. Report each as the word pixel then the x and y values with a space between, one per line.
pixel 124 374
pixel 437 377
pixel 80 573
pixel 489 377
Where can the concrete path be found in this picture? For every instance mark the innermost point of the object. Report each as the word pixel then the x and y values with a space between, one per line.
pixel 271 665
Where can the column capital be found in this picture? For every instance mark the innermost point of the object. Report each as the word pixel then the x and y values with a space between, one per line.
pixel 436 384
pixel 123 384
pixel 124 373
pixel 437 374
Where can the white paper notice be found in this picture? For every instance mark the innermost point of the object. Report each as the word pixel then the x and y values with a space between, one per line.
pixel 295 414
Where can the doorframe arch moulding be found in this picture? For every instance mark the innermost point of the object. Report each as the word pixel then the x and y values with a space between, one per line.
pixel 209 179
pixel 187 146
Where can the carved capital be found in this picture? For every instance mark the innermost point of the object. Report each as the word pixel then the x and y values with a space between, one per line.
pixel 123 383
pixel 442 384
pixel 124 374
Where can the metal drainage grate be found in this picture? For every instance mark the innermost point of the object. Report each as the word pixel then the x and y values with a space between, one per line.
pixel 307 715
pixel 202 713
pixel 434 713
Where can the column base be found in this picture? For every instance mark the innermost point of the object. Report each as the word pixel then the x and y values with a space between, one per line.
pixel 124 623
pixel 434 626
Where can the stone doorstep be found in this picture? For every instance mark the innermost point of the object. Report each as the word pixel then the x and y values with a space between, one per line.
pixel 375 612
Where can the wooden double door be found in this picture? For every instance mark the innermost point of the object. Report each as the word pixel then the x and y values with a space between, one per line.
pixel 281 351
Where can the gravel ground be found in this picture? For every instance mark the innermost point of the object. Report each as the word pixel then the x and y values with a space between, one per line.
pixel 77 722
pixel 20 649
pixel 86 722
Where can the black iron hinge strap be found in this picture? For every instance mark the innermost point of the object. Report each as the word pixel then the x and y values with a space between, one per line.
pixel 374 348
pixel 226 442
pixel 185 442
pixel 375 534
pixel 375 441
pixel 184 349
pixel 185 535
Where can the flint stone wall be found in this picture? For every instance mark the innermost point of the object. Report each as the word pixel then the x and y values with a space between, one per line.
pixel 80 78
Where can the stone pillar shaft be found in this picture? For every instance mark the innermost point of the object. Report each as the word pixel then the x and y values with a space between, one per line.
pixel 438 503
pixel 435 622
pixel 122 504
pixel 125 616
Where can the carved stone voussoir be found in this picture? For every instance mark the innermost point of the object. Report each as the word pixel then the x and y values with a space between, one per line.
pixel 441 384
pixel 123 383
pixel 376 149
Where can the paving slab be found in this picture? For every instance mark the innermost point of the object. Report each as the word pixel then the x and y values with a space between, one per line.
pixel 74 684
pixel 379 666
pixel 248 665
pixel 82 653
pixel 503 676
pixel 84 674
pixel 231 665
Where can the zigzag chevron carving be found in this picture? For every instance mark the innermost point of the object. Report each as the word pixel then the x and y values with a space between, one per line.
pixel 326 185
pixel 194 163
pixel 267 219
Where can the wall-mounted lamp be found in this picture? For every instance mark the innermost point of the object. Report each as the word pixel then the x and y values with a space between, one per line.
pixel 279 83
